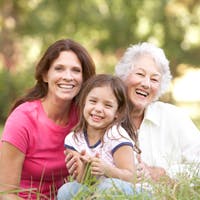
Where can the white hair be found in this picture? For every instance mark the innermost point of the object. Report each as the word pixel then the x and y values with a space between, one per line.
pixel 126 64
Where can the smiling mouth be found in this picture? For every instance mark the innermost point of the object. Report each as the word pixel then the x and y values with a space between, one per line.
pixel 143 93
pixel 96 117
pixel 64 86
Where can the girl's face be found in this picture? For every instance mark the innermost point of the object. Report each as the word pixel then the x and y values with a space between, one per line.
pixel 143 82
pixel 64 77
pixel 100 108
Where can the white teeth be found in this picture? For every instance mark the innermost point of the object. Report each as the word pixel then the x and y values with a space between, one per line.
pixel 142 93
pixel 66 86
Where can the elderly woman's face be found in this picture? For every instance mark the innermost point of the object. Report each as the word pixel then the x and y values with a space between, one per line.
pixel 143 82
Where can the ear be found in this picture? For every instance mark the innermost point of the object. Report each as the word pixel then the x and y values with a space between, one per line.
pixel 116 116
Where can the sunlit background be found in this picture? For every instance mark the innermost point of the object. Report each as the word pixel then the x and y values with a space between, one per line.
pixel 106 28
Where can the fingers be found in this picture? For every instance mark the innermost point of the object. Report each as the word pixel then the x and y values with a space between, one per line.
pixel 72 164
pixel 85 158
pixel 83 152
pixel 138 156
pixel 69 160
pixel 142 172
pixel 96 169
pixel 97 155
pixel 75 174
pixel 71 167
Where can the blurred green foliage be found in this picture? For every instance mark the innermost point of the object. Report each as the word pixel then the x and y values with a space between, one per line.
pixel 12 86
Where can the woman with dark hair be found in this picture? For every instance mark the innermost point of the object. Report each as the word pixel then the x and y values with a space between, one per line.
pixel 32 161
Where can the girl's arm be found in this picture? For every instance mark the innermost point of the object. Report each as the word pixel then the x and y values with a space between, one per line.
pixel 11 162
pixel 124 168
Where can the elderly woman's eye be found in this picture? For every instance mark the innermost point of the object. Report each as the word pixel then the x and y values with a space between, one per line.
pixel 140 74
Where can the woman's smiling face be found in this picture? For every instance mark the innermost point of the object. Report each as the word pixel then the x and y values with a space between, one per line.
pixel 143 82
pixel 64 77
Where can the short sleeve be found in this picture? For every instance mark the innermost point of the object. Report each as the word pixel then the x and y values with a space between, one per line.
pixel 69 141
pixel 16 130
pixel 118 137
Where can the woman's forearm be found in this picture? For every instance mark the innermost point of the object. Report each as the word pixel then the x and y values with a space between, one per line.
pixel 9 197
pixel 157 173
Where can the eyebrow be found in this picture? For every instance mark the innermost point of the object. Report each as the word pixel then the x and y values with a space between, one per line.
pixel 155 74
pixel 96 97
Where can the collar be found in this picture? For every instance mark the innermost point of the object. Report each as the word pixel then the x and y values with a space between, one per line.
pixel 152 113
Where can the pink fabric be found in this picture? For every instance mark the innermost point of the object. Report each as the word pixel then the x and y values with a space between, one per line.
pixel 42 141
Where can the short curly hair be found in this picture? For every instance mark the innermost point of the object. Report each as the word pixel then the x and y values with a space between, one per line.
pixel 126 64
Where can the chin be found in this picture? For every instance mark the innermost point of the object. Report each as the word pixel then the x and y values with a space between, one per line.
pixel 140 105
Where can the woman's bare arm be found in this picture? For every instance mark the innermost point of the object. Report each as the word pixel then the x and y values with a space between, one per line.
pixel 76 163
pixel 11 162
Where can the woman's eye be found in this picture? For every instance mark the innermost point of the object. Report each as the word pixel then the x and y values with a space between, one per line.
pixel 155 80
pixel 140 74
pixel 58 68
pixel 76 69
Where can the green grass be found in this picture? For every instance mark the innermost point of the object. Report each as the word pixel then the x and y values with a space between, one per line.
pixel 183 188
pixel 1 129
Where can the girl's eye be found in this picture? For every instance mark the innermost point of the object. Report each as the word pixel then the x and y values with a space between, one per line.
pixel 92 101
pixel 108 106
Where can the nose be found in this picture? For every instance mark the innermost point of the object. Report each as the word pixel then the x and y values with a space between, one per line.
pixel 67 75
pixel 98 108
pixel 146 82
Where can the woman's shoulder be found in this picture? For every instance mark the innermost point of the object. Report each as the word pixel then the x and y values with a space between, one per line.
pixel 27 109
pixel 29 105
pixel 164 106
pixel 165 111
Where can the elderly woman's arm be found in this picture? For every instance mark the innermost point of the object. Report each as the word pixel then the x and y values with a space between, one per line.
pixel 149 172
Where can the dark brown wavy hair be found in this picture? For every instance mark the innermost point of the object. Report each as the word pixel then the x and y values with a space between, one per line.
pixel 40 89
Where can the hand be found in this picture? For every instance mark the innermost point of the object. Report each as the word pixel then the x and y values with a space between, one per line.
pixel 84 157
pixel 73 162
pixel 98 166
pixel 148 172
pixel 142 171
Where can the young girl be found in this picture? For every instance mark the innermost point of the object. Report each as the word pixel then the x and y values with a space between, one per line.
pixel 104 110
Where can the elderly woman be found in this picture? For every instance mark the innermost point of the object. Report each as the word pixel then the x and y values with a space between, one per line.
pixel 167 137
